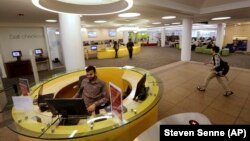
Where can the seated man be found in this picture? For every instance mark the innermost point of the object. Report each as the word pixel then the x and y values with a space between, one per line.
pixel 93 91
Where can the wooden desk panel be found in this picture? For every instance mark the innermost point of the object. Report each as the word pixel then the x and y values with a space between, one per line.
pixel 18 68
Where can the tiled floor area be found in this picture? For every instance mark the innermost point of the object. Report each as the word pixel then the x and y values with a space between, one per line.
pixel 179 94
pixel 178 82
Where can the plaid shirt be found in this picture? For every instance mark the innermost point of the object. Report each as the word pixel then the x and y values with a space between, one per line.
pixel 94 92
pixel 216 60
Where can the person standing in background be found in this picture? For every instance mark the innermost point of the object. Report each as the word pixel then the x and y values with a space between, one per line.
pixel 116 48
pixel 130 45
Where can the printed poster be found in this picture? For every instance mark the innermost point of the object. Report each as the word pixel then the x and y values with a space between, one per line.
pixel 116 100
pixel 24 86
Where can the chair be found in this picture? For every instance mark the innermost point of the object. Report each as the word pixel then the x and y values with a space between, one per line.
pixel 200 49
pixel 225 52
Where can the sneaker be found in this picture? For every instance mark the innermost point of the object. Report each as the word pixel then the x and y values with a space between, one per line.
pixel 228 93
pixel 200 88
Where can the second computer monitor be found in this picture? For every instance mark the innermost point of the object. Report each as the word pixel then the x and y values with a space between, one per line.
pixel 39 51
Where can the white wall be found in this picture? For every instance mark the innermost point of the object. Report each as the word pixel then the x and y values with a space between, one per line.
pixel 102 34
pixel 21 38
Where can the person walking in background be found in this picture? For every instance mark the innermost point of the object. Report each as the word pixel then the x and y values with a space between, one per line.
pixel 216 72
pixel 130 45
pixel 116 48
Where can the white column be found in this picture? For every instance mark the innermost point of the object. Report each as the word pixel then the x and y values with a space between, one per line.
pixel 163 37
pixel 48 48
pixel 72 45
pixel 125 37
pixel 3 98
pixel 34 66
pixel 248 45
pixel 2 68
pixel 151 37
pixel 186 39
pixel 133 36
pixel 220 34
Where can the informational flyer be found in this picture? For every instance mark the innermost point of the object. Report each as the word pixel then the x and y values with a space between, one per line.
pixel 24 86
pixel 22 102
pixel 116 101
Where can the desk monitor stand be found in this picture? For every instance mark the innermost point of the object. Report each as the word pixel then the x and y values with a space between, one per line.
pixel 18 58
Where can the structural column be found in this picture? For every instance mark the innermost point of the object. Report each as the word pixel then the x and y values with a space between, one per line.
pixel 125 37
pixel 72 46
pixel 220 34
pixel 186 39
pixel 163 37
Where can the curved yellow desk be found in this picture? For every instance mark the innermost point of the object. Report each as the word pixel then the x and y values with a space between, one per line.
pixel 105 53
pixel 123 51
pixel 140 115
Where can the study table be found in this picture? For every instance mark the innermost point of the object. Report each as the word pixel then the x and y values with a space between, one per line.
pixel 36 125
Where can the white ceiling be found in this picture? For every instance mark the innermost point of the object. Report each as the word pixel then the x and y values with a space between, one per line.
pixel 151 11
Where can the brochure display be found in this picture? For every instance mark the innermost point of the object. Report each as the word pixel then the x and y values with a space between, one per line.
pixel 24 86
pixel 37 125
pixel 116 101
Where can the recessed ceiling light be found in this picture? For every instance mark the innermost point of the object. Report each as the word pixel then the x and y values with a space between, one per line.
pixel 84 7
pixel 100 21
pixel 176 23
pixel 51 21
pixel 220 18
pixel 169 17
pixel 129 15
pixel 89 2
pixel 156 23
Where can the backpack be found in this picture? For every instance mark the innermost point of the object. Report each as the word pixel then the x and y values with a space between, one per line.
pixel 223 69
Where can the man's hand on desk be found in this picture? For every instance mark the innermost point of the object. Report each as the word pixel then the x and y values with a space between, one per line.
pixel 91 108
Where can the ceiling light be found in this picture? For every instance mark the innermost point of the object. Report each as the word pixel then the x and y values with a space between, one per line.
pixel 220 18
pixel 89 2
pixel 169 17
pixel 129 15
pixel 127 28
pixel 176 23
pixel 95 7
pixel 51 21
pixel 100 21
pixel 156 23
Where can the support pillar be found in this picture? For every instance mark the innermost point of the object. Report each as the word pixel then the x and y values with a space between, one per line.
pixel 72 46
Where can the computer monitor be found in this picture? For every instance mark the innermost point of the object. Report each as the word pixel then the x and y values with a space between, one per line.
pixel 17 54
pixel 141 90
pixel 70 109
pixel 39 51
pixel 112 33
pixel 93 47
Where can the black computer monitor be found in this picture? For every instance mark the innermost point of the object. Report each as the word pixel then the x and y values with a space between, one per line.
pixel 141 90
pixel 93 47
pixel 17 54
pixel 39 51
pixel 70 109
